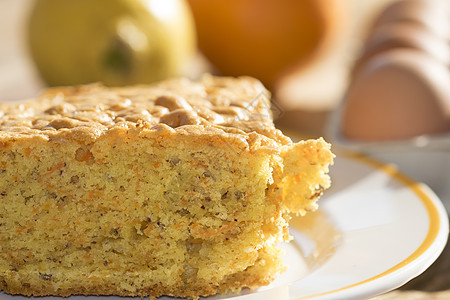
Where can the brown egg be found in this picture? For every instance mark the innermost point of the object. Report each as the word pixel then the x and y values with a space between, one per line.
pixel 404 35
pixel 399 94
pixel 433 15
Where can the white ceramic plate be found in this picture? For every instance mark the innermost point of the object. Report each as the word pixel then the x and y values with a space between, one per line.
pixel 375 230
pixel 391 227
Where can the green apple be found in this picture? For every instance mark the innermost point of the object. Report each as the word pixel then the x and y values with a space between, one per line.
pixel 116 42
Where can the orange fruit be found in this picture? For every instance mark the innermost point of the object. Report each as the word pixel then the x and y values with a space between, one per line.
pixel 263 38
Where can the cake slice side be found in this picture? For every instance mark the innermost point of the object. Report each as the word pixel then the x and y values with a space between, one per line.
pixel 141 211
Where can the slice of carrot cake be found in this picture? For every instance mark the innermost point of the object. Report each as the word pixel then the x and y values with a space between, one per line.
pixel 179 188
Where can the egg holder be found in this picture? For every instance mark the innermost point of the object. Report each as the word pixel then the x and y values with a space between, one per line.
pixel 425 158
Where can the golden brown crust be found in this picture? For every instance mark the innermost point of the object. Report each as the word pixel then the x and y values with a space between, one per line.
pixel 230 106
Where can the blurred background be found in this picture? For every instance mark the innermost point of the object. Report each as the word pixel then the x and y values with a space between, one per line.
pixel 371 76
pixel 311 75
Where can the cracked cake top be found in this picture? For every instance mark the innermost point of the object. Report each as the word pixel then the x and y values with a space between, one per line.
pixel 213 105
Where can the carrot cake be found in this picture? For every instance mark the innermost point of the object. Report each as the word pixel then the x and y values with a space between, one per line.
pixel 180 188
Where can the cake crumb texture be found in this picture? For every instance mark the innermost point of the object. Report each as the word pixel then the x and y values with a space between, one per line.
pixel 179 188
